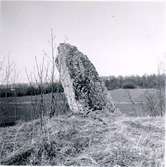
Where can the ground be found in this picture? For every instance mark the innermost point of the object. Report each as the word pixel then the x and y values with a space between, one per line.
pixel 102 139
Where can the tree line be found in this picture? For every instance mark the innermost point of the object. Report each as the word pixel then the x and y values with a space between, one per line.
pixel 111 82
pixel 145 81
pixel 29 90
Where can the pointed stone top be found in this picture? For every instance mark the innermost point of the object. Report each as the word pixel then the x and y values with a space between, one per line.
pixel 66 47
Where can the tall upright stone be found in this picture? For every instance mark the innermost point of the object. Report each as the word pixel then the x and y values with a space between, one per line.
pixel 82 86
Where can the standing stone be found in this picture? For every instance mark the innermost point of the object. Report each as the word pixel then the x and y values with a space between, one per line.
pixel 82 86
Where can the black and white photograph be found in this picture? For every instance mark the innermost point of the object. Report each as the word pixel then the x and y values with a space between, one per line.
pixel 82 83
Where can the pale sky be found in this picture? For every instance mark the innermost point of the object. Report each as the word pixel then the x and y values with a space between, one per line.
pixel 120 38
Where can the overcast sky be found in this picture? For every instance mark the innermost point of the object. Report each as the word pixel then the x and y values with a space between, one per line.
pixel 120 38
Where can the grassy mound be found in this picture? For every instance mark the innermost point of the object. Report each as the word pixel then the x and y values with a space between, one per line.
pixel 108 140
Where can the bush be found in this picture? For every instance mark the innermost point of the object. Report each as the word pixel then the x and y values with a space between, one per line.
pixel 154 103
pixel 129 86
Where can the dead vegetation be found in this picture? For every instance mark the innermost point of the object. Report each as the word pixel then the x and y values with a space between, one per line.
pixel 80 141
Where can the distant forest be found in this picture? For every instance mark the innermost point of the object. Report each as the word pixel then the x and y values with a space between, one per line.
pixel 111 82
pixel 145 81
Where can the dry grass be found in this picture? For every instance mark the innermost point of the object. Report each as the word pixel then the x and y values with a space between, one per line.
pixel 74 140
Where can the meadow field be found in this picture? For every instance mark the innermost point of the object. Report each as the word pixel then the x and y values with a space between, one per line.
pixel 131 102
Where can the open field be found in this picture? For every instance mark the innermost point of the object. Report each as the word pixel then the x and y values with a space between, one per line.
pixel 26 108
pixel 133 102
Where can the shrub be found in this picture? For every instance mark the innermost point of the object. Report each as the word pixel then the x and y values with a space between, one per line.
pixel 129 85
pixel 154 103
pixel 7 122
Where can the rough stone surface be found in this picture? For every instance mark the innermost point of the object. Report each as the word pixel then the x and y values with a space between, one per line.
pixel 82 86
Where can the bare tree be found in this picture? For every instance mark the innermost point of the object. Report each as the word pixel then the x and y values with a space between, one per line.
pixel 38 79
pixel 9 68
pixel 41 79
pixel 51 75
pixel 9 79
pixel 52 112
